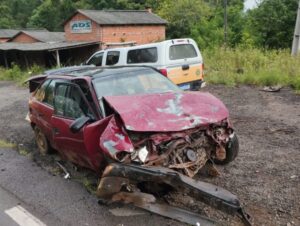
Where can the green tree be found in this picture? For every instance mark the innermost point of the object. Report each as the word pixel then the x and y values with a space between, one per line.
pixel 52 13
pixel 21 11
pixel 203 20
pixel 183 15
pixel 47 15
pixel 6 20
pixel 272 23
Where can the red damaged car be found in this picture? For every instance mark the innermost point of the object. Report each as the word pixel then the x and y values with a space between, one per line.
pixel 133 127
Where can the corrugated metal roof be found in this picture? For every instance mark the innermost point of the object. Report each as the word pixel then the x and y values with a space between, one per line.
pixel 122 17
pixel 8 33
pixel 45 36
pixel 40 46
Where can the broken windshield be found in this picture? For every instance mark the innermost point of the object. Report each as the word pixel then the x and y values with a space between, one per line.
pixel 136 82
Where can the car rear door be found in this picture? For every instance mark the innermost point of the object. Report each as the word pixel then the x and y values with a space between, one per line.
pixel 41 107
pixel 184 62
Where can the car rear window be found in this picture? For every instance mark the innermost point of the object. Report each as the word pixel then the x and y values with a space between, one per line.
pixel 182 51
pixel 147 55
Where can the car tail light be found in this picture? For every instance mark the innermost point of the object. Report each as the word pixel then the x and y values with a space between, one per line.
pixel 164 72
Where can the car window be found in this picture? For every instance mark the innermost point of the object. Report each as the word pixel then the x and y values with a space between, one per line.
pixel 182 51
pixel 147 55
pixel 40 92
pixel 135 82
pixel 49 93
pixel 69 102
pixel 96 59
pixel 112 57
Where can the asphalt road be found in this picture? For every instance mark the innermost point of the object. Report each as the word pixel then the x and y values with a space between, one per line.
pixel 56 201
pixel 13 212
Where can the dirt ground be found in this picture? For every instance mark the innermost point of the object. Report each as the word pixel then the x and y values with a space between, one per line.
pixel 266 174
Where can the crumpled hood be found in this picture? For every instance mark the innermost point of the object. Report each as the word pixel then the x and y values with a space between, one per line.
pixel 168 111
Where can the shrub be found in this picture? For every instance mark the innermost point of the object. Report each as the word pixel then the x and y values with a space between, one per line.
pixel 16 74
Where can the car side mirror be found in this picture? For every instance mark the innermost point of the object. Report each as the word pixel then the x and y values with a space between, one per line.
pixel 76 126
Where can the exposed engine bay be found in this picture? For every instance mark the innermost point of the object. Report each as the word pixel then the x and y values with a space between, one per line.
pixel 186 152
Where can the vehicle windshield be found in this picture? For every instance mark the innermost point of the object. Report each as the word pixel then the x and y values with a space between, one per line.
pixel 135 82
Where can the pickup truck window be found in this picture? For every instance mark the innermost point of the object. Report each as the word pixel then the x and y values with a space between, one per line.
pixel 182 51
pixel 112 57
pixel 147 55
pixel 96 60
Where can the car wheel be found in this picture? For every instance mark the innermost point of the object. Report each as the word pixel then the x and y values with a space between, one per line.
pixel 41 141
pixel 232 150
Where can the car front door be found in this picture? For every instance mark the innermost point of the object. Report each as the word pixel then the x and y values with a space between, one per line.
pixel 69 105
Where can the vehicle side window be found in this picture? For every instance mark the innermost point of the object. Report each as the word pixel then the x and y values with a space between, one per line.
pixel 41 91
pixel 147 55
pixel 182 51
pixel 69 102
pixel 112 57
pixel 49 93
pixel 96 59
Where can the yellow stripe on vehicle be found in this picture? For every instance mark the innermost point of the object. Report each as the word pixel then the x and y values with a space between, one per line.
pixel 179 76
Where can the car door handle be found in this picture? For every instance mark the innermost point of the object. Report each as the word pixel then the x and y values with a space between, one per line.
pixel 55 131
pixel 185 67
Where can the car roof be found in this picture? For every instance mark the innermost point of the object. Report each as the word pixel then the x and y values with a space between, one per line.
pixel 96 72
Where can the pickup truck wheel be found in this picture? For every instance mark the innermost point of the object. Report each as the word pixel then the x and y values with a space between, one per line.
pixel 232 149
pixel 41 141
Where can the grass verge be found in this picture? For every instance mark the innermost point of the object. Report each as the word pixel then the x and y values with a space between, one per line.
pixel 6 144
pixel 252 67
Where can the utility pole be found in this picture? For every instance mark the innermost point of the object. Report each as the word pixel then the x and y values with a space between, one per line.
pixel 225 23
pixel 296 40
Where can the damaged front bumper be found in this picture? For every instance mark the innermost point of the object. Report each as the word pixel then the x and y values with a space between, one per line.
pixel 118 176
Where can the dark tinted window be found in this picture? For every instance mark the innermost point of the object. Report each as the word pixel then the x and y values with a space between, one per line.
pixel 96 60
pixel 182 51
pixel 69 102
pixel 148 55
pixel 112 57
pixel 41 92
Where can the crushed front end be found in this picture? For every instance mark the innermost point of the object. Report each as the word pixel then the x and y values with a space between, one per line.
pixel 185 151
pixel 161 149
pixel 157 163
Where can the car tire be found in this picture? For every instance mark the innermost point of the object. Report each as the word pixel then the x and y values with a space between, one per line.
pixel 232 149
pixel 42 141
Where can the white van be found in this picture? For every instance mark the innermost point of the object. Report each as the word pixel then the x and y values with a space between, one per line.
pixel 178 59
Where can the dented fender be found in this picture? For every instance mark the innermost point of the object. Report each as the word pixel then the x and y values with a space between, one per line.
pixel 115 140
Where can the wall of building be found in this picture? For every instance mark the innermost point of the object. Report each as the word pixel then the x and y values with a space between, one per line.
pixel 141 34
pixel 22 37
pixel 4 40
pixel 94 35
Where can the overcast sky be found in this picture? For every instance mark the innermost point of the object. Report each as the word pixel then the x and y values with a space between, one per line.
pixel 249 4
